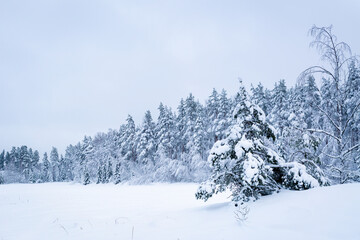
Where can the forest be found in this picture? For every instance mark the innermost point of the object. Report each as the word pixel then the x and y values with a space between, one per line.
pixel 256 142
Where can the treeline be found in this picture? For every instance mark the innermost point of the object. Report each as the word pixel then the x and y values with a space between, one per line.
pixel 317 126
pixel 176 146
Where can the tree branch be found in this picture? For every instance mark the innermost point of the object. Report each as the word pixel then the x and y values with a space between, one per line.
pixel 319 131
pixel 327 115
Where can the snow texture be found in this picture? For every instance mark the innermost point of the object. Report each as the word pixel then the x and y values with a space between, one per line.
pixel 170 211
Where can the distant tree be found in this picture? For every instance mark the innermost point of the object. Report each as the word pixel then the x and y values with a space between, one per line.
pixel 86 179
pixel 2 160
pixel 166 133
pixel 100 177
pixel 128 140
pixel 63 169
pixel 104 175
pixel 2 180
pixel 25 161
pixel 55 162
pixel 147 144
pixel 224 117
pixel 117 176
pixel 35 158
pixel 261 97
pixel 7 159
pixel 109 172
pixel 212 112
pixel 46 169
pixel 181 122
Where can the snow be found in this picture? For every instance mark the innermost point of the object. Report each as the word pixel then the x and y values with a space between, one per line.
pixel 300 174
pixel 251 166
pixel 292 116
pixel 170 211
pixel 220 147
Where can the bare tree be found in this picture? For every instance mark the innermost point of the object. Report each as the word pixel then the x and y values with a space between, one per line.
pixel 337 151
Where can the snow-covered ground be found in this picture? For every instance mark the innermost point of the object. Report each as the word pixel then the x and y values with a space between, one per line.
pixel 170 211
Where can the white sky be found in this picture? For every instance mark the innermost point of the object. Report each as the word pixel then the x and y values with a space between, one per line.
pixel 70 68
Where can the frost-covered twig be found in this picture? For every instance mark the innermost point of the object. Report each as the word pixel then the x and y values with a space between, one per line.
pixel 241 214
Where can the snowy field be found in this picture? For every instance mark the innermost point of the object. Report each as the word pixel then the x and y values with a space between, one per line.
pixel 170 211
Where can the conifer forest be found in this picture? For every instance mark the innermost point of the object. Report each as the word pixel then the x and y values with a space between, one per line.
pixel 254 143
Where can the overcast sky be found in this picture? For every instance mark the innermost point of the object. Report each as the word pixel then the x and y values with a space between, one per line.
pixel 71 68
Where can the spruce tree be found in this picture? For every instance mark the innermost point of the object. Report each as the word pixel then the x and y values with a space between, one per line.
pixel 244 161
pixel 99 175
pixel 2 160
pixel 147 140
pixel 109 172
pixel 128 140
pixel 45 171
pixel 86 179
pixel 55 162
pixel 117 176
pixel 166 133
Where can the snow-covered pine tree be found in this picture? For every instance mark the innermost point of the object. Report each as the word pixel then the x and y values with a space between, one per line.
pixel 166 133
pixel 181 121
pixel 297 145
pixel 117 176
pixel 99 175
pixel 128 144
pixel 25 161
pixel 46 169
pixel 244 162
pixel 7 159
pixel 55 162
pixel 198 167
pixel 104 174
pixel 224 117
pixel 109 172
pixel 35 158
pixel 352 91
pixel 2 160
pixel 261 97
pixel 2 180
pixel 279 114
pixel 86 179
pixel 212 114
pixel 147 145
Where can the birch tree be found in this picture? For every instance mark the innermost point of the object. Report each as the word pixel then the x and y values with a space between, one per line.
pixel 337 149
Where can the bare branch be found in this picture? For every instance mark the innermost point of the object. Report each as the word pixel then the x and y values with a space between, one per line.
pixel 320 131
pixel 315 69
pixel 330 156
pixel 331 120
pixel 351 149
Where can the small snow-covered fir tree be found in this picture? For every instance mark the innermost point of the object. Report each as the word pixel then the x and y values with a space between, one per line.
pixel 245 163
